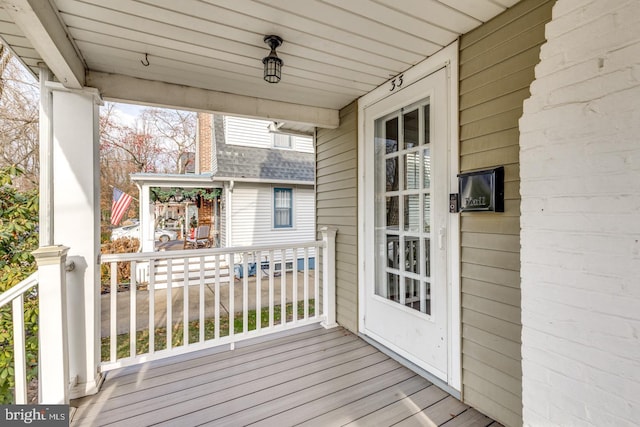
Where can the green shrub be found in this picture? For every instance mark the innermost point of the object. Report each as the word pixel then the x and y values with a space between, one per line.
pixel 18 238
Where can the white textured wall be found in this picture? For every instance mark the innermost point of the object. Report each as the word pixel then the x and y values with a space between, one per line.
pixel 580 185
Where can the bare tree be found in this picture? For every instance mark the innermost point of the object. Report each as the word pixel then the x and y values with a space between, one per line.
pixel 157 142
pixel 136 145
pixel 177 132
pixel 18 119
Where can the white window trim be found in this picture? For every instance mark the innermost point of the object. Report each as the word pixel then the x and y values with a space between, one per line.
pixel 273 208
pixel 292 142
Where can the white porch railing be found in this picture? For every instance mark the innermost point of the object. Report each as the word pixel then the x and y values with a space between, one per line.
pixel 201 298
pixel 16 296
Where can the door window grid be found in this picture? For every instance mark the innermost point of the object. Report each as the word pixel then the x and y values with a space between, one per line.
pixel 407 176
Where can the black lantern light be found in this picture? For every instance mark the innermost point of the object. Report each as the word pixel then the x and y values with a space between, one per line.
pixel 272 64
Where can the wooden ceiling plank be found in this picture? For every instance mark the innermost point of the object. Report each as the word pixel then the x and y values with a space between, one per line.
pixel 199 80
pixel 9 28
pixel 40 24
pixel 482 10
pixel 216 70
pixel 302 68
pixel 80 27
pixel 248 40
pixel 246 47
pixel 211 58
pixel 26 52
pixel 507 3
pixel 320 30
pixel 294 37
pixel 16 41
pixel 404 22
pixel 357 24
pixel 118 87
pixel 202 77
pixel 436 13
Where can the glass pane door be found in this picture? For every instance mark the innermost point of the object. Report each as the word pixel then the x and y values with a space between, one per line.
pixel 403 205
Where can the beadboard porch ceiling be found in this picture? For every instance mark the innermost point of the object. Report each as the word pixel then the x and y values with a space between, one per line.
pixel 334 51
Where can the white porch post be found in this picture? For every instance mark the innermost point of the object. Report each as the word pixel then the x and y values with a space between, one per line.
pixel 53 360
pixel 329 276
pixel 46 159
pixel 147 219
pixel 76 202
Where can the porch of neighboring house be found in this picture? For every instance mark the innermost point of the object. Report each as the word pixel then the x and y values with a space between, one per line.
pixel 307 376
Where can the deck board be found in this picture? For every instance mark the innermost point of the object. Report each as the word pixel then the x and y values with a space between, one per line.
pixel 401 409
pixel 326 396
pixel 351 410
pixel 469 418
pixel 437 414
pixel 205 370
pixel 294 382
pixel 311 377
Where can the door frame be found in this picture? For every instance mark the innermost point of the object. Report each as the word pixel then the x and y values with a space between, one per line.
pixel 445 58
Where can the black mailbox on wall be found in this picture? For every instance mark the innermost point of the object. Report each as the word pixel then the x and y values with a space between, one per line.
pixel 482 190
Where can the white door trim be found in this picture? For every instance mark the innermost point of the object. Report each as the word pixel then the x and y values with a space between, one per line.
pixel 447 57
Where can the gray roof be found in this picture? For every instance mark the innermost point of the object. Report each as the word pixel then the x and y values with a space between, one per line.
pixel 234 161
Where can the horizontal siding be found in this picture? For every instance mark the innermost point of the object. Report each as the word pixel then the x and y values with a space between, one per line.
pixel 252 216
pixel 302 143
pixel 247 132
pixel 497 63
pixel 337 206
pixel 492 399
pixel 255 133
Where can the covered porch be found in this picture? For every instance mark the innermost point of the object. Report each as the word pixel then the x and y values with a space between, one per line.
pixel 207 56
pixel 310 376
pixel 528 313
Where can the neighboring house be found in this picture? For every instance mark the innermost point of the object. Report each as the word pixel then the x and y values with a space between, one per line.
pixel 530 315
pixel 267 180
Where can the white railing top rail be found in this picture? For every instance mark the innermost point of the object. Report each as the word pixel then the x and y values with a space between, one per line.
pixel 19 289
pixel 195 253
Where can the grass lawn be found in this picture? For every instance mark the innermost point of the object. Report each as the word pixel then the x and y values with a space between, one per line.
pixel 177 335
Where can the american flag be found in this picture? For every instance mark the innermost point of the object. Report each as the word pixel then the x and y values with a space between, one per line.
pixel 119 205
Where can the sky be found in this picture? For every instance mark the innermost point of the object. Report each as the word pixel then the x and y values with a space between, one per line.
pixel 128 113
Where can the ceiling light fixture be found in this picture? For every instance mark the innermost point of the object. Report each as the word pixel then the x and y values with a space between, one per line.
pixel 272 64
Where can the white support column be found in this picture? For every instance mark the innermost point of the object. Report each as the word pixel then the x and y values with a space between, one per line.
pixel 147 219
pixel 46 159
pixel 53 360
pixel 329 276
pixel 76 189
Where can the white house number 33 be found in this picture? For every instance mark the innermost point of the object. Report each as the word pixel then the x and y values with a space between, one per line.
pixel 396 83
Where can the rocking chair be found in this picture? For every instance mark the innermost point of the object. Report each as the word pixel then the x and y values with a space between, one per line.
pixel 200 239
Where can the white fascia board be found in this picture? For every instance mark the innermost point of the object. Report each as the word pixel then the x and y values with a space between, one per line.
pixel 41 25
pixel 281 128
pixel 266 181
pixel 118 87
pixel 177 180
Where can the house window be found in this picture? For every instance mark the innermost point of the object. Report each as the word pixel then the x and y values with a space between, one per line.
pixel 282 141
pixel 282 208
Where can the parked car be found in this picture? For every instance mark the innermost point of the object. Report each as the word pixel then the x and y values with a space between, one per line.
pixel 133 231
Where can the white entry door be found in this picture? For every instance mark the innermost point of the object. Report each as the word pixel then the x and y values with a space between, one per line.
pixel 407 176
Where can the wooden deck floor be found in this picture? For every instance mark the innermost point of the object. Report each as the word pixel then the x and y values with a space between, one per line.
pixel 314 377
